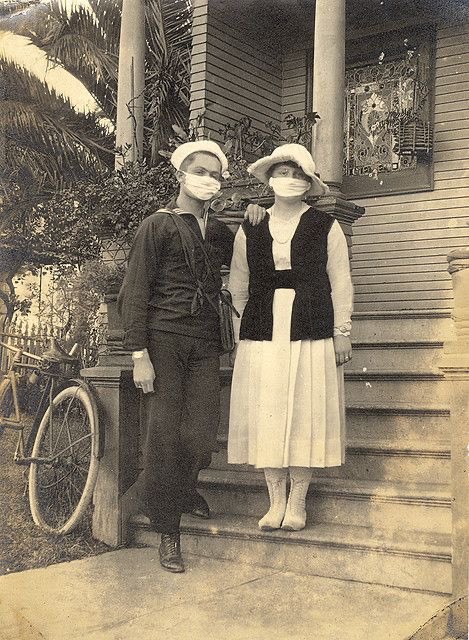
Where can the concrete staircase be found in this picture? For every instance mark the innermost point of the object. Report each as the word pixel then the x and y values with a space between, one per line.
pixel 385 516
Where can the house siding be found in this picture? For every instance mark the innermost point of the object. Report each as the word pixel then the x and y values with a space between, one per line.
pixel 401 243
pixel 294 91
pixel 232 77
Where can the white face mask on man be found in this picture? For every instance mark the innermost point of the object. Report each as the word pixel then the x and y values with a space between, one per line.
pixel 286 187
pixel 201 187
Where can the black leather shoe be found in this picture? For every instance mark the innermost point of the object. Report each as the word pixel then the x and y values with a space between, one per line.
pixel 170 553
pixel 199 507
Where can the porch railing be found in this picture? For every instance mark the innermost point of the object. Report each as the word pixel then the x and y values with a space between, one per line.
pixel 455 365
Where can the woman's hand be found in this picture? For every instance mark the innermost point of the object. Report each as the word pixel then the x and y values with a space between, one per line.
pixel 144 373
pixel 343 349
pixel 255 214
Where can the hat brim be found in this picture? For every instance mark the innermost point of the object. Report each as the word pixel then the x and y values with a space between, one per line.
pixel 198 146
pixel 260 170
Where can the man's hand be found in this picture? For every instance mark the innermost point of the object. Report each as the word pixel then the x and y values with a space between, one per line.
pixel 255 214
pixel 232 356
pixel 343 349
pixel 144 373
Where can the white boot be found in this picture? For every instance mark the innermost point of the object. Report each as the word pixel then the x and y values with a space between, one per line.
pixel 276 480
pixel 295 513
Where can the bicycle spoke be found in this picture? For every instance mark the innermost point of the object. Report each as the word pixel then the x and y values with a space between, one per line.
pixel 78 490
pixel 68 448
pixel 63 421
pixel 66 416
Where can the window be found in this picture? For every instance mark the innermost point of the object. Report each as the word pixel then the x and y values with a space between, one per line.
pixel 388 136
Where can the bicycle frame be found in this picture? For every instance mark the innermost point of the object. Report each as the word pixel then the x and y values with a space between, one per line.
pixel 11 374
pixel 20 456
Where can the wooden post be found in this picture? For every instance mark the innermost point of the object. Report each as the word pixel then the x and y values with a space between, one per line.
pixel 455 365
pixel 115 499
pixel 118 403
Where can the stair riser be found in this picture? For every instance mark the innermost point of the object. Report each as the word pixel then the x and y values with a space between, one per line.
pixel 337 509
pixel 385 329
pixel 386 391
pixel 421 572
pixel 375 392
pixel 395 359
pixel 383 427
pixel 366 466
pixel 380 515
pixel 386 467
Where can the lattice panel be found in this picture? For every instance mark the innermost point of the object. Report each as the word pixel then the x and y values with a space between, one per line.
pixel 387 115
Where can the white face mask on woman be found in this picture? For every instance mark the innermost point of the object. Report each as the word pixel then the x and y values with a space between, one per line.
pixel 201 187
pixel 289 187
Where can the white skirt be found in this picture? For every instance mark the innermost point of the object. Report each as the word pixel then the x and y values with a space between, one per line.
pixel 287 399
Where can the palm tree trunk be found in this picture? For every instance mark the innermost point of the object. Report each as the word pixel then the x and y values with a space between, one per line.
pixel 131 83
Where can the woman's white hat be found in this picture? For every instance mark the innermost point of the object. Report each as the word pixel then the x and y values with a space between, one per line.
pixel 207 146
pixel 294 153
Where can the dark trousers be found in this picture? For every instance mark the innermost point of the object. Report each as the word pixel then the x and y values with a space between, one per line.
pixel 182 418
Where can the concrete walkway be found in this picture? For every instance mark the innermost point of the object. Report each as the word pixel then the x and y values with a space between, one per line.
pixel 124 595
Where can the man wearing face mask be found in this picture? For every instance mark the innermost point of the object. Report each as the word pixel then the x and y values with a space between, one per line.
pixel 173 332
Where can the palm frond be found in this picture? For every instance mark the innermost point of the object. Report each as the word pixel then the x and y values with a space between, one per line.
pixel 85 44
pixel 155 29
pixel 177 18
pixel 167 102
pixel 48 142
pixel 168 73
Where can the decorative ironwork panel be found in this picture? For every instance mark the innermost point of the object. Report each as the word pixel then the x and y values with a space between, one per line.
pixel 388 114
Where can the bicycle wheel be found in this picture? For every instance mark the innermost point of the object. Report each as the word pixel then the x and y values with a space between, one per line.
pixel 61 482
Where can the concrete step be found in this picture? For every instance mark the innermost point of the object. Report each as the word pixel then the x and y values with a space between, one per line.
pixel 362 554
pixel 370 460
pixel 400 422
pixel 386 387
pixel 379 387
pixel 384 326
pixel 396 421
pixel 382 505
pixel 396 356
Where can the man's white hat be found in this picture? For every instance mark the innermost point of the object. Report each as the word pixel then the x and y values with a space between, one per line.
pixel 294 153
pixel 206 146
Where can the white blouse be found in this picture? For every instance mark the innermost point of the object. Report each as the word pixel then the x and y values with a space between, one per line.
pixel 282 231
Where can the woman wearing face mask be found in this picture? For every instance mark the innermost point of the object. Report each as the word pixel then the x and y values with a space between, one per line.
pixel 290 280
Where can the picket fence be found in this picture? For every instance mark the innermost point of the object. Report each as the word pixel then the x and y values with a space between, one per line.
pixel 26 335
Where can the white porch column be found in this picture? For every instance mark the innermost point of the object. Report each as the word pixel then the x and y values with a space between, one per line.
pixel 328 89
pixel 328 102
pixel 131 83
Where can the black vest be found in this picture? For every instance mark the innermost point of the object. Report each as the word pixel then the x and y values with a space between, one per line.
pixel 313 313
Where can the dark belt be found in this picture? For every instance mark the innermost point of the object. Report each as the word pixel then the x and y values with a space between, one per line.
pixel 281 279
